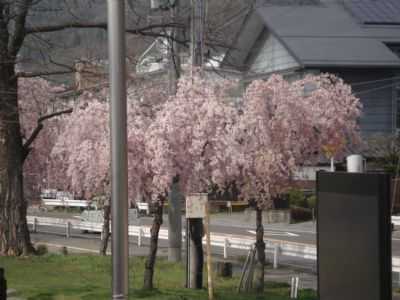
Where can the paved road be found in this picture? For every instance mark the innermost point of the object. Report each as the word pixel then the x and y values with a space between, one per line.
pixel 239 224
pixel 80 241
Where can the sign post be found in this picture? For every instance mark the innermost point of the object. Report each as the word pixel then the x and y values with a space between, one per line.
pixel 195 212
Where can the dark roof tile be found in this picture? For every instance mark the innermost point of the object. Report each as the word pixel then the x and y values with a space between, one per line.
pixel 375 12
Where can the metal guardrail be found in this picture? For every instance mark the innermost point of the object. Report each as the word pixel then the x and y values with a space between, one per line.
pixel 225 241
pixel 67 203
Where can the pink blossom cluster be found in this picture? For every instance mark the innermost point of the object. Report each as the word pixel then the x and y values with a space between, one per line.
pixel 284 125
pixel 189 136
pixel 202 136
pixel 36 99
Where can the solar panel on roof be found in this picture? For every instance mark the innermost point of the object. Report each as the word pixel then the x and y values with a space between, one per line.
pixel 379 12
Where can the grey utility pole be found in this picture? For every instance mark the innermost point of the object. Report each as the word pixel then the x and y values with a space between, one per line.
pixel 175 197
pixel 195 260
pixel 198 32
pixel 119 161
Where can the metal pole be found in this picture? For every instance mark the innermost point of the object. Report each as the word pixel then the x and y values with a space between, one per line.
pixel 198 36
pixel 119 172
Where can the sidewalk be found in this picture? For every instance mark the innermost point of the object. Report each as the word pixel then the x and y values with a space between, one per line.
pixel 243 220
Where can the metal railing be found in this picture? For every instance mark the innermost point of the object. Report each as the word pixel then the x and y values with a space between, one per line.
pixel 226 242
pixel 67 203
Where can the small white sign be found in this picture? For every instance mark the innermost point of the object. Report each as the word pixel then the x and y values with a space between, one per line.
pixel 196 205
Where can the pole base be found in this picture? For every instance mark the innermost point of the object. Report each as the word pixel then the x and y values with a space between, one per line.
pixel 174 254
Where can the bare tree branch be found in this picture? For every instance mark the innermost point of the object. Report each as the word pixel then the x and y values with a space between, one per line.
pixel 78 24
pixel 18 34
pixel 40 74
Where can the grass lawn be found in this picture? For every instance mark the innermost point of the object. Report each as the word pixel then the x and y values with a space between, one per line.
pixel 73 277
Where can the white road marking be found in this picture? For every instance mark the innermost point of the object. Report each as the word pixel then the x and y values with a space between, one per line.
pixel 276 233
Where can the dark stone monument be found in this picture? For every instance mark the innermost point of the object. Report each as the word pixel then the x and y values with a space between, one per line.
pixel 3 285
pixel 354 236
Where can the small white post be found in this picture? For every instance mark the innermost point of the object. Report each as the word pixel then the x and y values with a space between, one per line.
pixel 276 256
pixel 229 207
pixel 35 224
pixel 140 237
pixel 332 164
pixel 294 287
pixel 226 245
pixel 291 287
pixel 68 230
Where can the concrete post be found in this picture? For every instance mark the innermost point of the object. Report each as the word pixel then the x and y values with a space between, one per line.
pixel 174 225
pixel 140 233
pixel 174 198
pixel 226 245
pixel 68 230
pixel 276 256
pixel 35 224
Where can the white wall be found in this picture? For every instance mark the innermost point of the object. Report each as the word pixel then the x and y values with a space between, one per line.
pixel 271 56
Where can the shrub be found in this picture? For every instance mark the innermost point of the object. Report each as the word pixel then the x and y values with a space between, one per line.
pixel 300 214
pixel 297 198
pixel 312 201
pixel 41 249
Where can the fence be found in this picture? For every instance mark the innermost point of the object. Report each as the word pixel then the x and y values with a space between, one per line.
pixel 225 242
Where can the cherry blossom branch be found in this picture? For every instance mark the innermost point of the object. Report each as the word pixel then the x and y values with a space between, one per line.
pixel 26 147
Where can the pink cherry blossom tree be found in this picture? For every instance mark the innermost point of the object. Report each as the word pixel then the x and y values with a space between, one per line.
pixel 39 128
pixel 82 153
pixel 284 125
pixel 187 142
pixel 189 135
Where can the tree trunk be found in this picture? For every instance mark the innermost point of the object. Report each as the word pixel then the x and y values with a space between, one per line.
pixel 14 233
pixel 106 229
pixel 151 259
pixel 196 253
pixel 174 224
pixel 260 246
